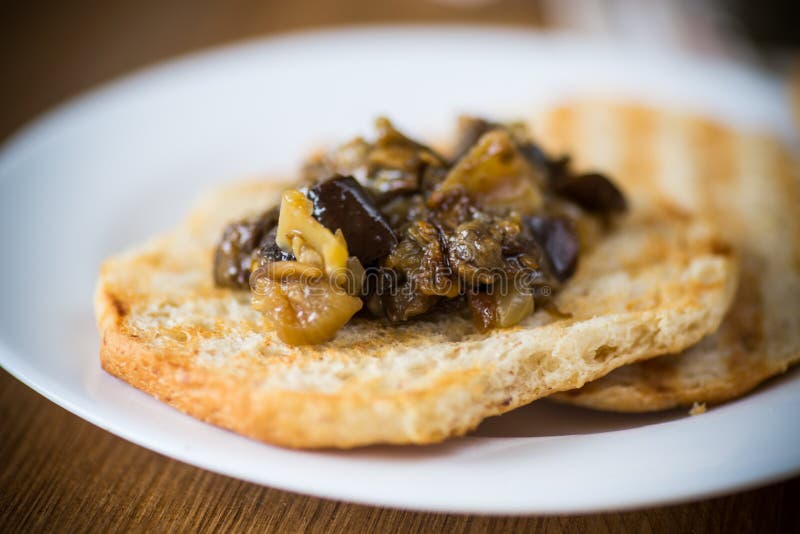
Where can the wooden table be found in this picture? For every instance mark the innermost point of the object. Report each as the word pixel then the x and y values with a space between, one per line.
pixel 58 472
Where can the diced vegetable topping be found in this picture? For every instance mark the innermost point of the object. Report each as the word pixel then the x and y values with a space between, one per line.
pixel 396 228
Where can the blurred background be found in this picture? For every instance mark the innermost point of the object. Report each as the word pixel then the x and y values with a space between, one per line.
pixel 54 49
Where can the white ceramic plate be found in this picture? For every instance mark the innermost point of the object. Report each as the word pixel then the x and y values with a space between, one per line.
pixel 124 162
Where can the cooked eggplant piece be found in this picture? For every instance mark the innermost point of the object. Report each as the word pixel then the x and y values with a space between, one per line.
pixel 245 244
pixel 397 163
pixel 469 130
pixel 406 302
pixel 342 204
pixel 560 241
pixel 536 155
pixel 495 175
pixel 349 159
pixel 593 192
pixel 555 170
pixel 270 251
pixel 490 250
pixel 416 273
pixel 232 258
pixel 400 165
pixel 404 210
pixel 475 252
pixel 393 165
pixel 481 306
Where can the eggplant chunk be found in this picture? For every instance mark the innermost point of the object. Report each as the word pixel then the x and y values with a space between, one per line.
pixel 342 204
pixel 593 192
pixel 495 175
pixel 560 241
pixel 243 244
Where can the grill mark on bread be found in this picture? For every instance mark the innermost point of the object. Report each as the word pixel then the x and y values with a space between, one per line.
pixel 118 305
pixel 716 160
pixel 558 134
pixel 637 162
pixel 592 146
pixel 748 184
pixel 675 171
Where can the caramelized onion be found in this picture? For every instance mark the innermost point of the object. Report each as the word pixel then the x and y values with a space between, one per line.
pixel 302 312
pixel 499 309
pixel 296 221
pixel 512 307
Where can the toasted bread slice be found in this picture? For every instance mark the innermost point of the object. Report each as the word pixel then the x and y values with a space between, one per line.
pixel 657 284
pixel 749 185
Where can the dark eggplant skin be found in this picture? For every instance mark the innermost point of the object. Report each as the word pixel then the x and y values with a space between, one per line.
pixel 558 238
pixel 245 244
pixel 340 203
pixel 593 192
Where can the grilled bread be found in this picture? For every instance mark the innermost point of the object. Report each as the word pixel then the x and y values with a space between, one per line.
pixel 749 185
pixel 657 284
